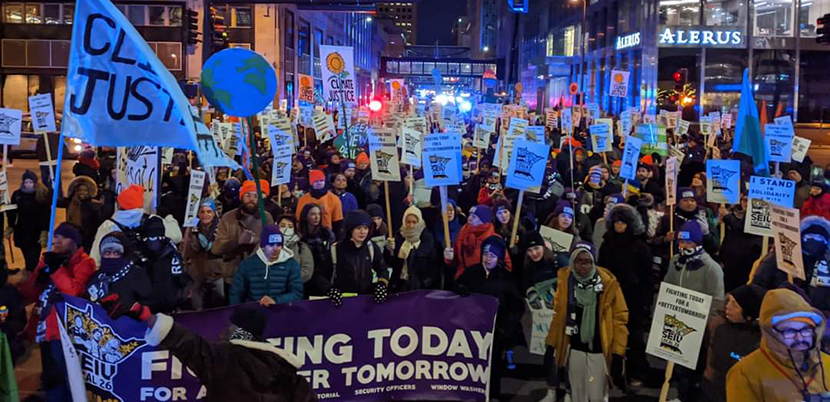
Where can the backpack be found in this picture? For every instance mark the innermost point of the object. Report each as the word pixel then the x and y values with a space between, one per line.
pixel 334 260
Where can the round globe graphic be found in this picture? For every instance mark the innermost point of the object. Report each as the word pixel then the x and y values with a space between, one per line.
pixel 238 82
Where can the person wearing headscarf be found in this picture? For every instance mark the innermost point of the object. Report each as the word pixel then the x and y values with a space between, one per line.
pixel 413 256
pixel 30 221
pixel 588 333
pixel 202 264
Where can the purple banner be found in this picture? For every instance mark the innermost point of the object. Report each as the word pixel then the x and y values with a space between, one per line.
pixel 416 346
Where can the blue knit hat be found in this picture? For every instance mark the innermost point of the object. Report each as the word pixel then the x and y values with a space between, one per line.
pixel 271 236
pixel 685 192
pixel 484 213
pixel 210 202
pixel 690 231
pixel 564 207
pixel 494 244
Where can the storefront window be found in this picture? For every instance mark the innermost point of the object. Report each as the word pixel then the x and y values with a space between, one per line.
pixel 725 13
pixel 680 12
pixel 723 77
pixel 811 11
pixel 773 18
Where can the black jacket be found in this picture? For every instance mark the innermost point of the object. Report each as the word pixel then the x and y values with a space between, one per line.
pixel 423 264
pixel 738 252
pixel 236 370
pixel 354 269
pixel 83 170
pixel 680 217
pixel 768 276
pixel 15 321
pixel 169 279
pixel 729 343
pixel 33 218
pixel 131 283
pixel 501 285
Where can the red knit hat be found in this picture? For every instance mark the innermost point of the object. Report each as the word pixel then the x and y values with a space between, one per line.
pixel 249 186
pixel 316 175
pixel 131 198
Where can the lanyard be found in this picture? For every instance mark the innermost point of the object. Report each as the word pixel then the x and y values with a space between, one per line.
pixel 781 370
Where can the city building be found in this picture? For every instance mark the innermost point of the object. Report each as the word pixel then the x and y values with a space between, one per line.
pixel 403 15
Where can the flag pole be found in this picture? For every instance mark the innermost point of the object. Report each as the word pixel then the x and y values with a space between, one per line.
pixel 255 168
pixel 55 188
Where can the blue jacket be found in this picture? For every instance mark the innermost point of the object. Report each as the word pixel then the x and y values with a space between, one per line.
pixel 281 280
pixel 347 201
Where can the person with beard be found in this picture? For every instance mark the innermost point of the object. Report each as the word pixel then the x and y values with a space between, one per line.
pixel 789 365
pixel 490 276
pixel 647 183
pixel 378 228
pixel 83 208
pixel 625 253
pixel 121 283
pixel 203 266
pixel 229 196
pixel 539 270
pixel 239 231
pixel 687 210
pixel 339 182
pixel 30 221
pixel 269 277
pixel 88 165
pixel 739 249
pixel 301 251
pixel 815 254
pixel 318 237
pixel 318 194
pixel 692 268
pixel 12 315
pixel 165 267
pixel 355 262
pixel 819 202
pixel 413 256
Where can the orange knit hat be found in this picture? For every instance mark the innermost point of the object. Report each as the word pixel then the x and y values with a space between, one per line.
pixel 362 158
pixel 131 198
pixel 250 186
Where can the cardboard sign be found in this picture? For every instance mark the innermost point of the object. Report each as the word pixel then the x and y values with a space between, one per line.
pixel 10 123
pixel 338 74
pixel 281 170
pixel 442 159
pixel 5 194
pixel 505 150
pixel 411 147
pixel 678 325
pixel 560 242
pixel 785 231
pixel 631 155
pixel 482 137
pixel 600 137
pixel 619 83
pixel 758 221
pixel 535 134
pixel 776 191
pixel 626 123
pixel 785 121
pixel 527 164
pixel 683 127
pixel 138 165
pixel 593 110
pixel 383 153
pixel 43 114
pixel 194 196
pixel 800 147
pixel 323 126
pixel 723 185
pixel 779 142
pixel 305 88
pixel 282 144
pixel 671 180
pixel 726 121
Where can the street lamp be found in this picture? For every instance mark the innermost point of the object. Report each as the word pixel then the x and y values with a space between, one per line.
pixel 486 49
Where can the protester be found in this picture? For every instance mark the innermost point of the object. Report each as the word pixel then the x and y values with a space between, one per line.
pixel 121 282
pixel 339 182
pixel 331 207
pixel 739 249
pixel 789 365
pixel 600 226
pixel 562 219
pixel 492 189
pixel 12 316
pixel 686 211
pixel 454 219
pixel 89 166
pixel 590 321
pixel 467 247
pixel 539 270
pixel 379 228
pixel 413 255
pixel 818 203
pixel 229 198
pixel 83 208
pixel 30 220
pixel 203 266
pixel 270 276
pixel 301 250
pixel 165 266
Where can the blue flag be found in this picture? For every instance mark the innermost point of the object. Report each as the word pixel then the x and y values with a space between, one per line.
pixel 748 139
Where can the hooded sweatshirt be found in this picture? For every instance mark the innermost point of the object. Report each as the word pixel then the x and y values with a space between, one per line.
pixel 257 277
pixel 773 373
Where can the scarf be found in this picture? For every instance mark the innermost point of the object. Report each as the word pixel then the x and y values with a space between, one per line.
pixel 290 238
pixel 412 237
pixel 585 292
pixel 318 194
pixel 209 231
pixel 690 259
pixel 471 238
pixel 240 334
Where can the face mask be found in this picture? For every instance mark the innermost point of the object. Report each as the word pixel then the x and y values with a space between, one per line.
pixel 288 232
pixel 690 251
pixel 813 247
pixel 113 264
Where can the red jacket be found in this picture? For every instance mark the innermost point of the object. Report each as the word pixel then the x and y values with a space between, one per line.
pixel 484 197
pixel 818 206
pixel 70 279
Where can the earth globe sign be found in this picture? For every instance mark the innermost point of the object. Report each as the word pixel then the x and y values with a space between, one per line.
pixel 238 82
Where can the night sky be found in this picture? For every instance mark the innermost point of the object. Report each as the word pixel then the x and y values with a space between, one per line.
pixel 436 19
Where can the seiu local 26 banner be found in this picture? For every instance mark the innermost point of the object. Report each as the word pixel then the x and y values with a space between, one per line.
pixel 363 351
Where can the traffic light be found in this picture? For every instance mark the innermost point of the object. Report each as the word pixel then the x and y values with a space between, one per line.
pixel 218 36
pixel 192 26
pixel 823 29
pixel 681 77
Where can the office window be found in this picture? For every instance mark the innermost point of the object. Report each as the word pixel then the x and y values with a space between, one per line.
pixel 170 53
pixel 60 53
pixel 329 40
pixel 33 14
pixel 14 53
pixel 725 13
pixel 174 15
pixel 810 12
pixel 136 15
pixel 774 18
pixel 68 13
pixel 392 67
pixel 52 14
pixel 158 15
pixel 680 12
pixel 303 35
pixel 13 13
pixel 243 17
pixel 289 29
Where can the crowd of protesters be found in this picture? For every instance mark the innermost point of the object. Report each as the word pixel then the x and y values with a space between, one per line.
pixel 327 234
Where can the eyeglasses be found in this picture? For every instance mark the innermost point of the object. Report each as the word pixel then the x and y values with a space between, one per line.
pixel 789 333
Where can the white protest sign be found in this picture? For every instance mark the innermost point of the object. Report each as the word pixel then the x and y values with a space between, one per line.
pixel 800 148
pixel 785 230
pixel 43 114
pixel 779 140
pixel 785 121
pixel 723 185
pixel 631 155
pixel 683 127
pixel 323 126
pixel 726 121
pixel 5 194
pixel 10 123
pixel 776 191
pixel 600 137
pixel 138 165
pixel 758 221
pixel 535 134
pixel 527 164
pixel 482 137
pixel 281 142
pixel 442 159
pixel 559 241
pixel 411 150
pixel 619 83
pixel 550 118
pixel 541 318
pixel 338 74
pixel 383 154
pixel 678 325
pixel 626 123
pixel 281 170
pixel 194 195
pixel 567 121
pixel 671 180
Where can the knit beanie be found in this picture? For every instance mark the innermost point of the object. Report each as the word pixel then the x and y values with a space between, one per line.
pixel 494 244
pixel 564 208
pixel 533 239
pixel 271 236
pixel 375 211
pixel 69 231
pixel 112 242
pixel 362 158
pixel 316 175
pixel 484 213
pixel 501 203
pixel 749 297
pixel 131 198
pixel 685 192
pixel 154 227
pixel 249 319
pixel 249 186
pixel 614 199
pixel 355 218
pixel 209 202
pixel 28 174
pixel 581 246
pixel 690 231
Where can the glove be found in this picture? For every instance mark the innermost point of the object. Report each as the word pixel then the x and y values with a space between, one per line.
pixel 336 296
pixel 617 374
pixel 43 276
pixel 390 245
pixel 53 260
pixel 448 254
pixel 704 224
pixel 381 292
pixel 117 308
pixel 44 239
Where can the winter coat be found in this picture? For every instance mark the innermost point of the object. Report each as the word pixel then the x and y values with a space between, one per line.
pixel 331 205
pixel 86 214
pixel 202 265
pixel 15 321
pixel 348 202
pixel 169 279
pixel 236 370
pixel 612 323
pixel 768 276
pixel 708 279
pixel 320 245
pixel 423 264
pixel 30 218
pixel 227 244
pixel 768 374
pixel 304 257
pixel 738 252
pixel 534 273
pixel 71 278
pixel 81 169
pixel 470 239
pixel 729 343
pixel 501 285
pixel 818 206
pixel 132 219
pixel 661 243
pixel 352 269
pixel 131 283
pixel 257 277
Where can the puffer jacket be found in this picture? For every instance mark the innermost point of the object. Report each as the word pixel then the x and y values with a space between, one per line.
pixel 628 257
pixel 770 374
pixel 227 244
pixel 817 206
pixel 613 318
pixel 258 371
pixel 257 277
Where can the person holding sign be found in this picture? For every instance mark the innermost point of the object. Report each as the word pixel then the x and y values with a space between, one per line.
pixel 588 333
pixel 819 202
pixel 687 211
pixel 30 220
pixel 790 365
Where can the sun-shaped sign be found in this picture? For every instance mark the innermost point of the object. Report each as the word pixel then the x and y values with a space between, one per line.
pixel 335 63
pixel 396 85
pixel 304 81
pixel 618 78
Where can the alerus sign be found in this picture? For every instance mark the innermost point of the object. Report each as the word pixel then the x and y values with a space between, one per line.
pixel 626 41
pixel 699 36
